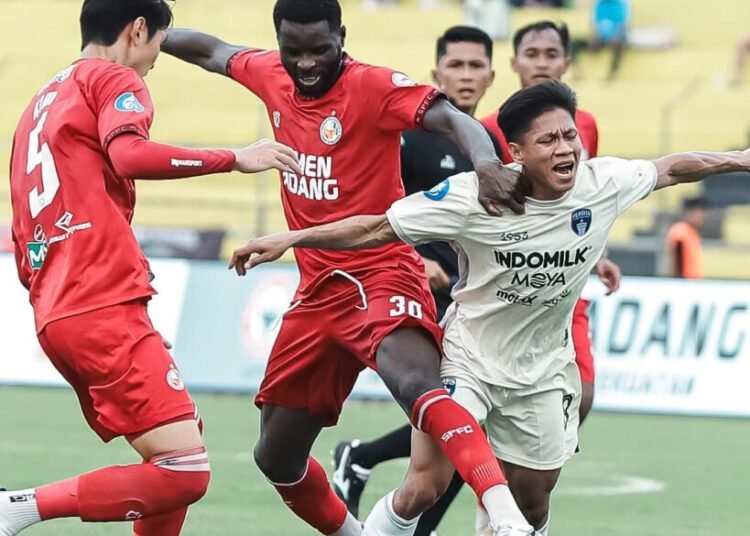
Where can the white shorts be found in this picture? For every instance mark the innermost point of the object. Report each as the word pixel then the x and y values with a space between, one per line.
pixel 534 427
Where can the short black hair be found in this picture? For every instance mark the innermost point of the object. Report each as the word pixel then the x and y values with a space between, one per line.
pixel 562 31
pixel 307 11
pixel 102 21
pixel 463 34
pixel 525 105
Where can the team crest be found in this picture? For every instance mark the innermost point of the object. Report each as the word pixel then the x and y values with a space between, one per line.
pixel 128 102
pixel 439 192
pixel 331 130
pixel 449 384
pixel 276 117
pixel 580 220
pixel 174 379
pixel 402 80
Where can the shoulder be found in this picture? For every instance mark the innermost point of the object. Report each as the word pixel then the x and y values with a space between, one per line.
pixel 377 76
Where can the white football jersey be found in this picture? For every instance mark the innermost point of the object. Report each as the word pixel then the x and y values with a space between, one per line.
pixel 521 274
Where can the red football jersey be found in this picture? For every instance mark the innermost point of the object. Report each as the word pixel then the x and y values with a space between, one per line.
pixel 75 249
pixel 586 129
pixel 348 141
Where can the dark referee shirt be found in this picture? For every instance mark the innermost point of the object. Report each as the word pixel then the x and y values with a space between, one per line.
pixel 426 159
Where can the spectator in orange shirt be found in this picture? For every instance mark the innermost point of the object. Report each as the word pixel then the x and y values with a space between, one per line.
pixel 684 240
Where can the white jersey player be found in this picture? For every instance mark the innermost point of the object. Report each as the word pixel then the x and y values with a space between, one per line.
pixel 508 357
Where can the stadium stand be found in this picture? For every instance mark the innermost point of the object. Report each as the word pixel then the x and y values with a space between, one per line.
pixel 662 101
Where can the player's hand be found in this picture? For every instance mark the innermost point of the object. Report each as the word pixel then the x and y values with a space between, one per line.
pixel 437 277
pixel 609 274
pixel 266 249
pixel 500 186
pixel 266 154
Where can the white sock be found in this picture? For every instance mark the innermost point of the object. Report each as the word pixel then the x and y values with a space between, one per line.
pixel 18 510
pixel 383 521
pixel 351 527
pixel 502 507
pixel 481 520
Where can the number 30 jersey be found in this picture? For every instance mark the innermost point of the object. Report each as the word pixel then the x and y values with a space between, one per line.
pixel 75 249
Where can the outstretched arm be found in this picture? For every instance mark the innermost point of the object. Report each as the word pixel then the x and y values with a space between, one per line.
pixel 693 167
pixel 498 185
pixel 200 49
pixel 357 232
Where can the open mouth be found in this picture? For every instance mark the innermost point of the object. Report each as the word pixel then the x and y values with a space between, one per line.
pixel 466 92
pixel 308 81
pixel 564 170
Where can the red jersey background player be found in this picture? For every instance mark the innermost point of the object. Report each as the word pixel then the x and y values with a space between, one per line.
pixel 352 310
pixel 542 53
pixel 76 150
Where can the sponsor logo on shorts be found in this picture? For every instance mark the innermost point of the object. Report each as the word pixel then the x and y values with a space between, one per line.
pixel 580 221
pixel 439 192
pixel 449 384
pixel 276 117
pixel 463 430
pixel 174 380
pixel 566 402
pixel 132 515
pixel 128 102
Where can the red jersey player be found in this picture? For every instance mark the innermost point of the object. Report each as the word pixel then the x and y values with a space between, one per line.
pixel 541 53
pixel 352 309
pixel 76 150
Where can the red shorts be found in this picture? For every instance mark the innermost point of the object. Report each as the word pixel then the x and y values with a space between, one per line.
pixel 582 341
pixel 331 335
pixel 125 379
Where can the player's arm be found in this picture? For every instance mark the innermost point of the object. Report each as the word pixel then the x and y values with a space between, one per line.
pixel 136 157
pixel 693 167
pixel 200 49
pixel 498 185
pixel 356 232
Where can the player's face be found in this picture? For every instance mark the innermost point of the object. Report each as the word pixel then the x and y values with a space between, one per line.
pixel 464 73
pixel 540 58
pixel 144 51
pixel 311 54
pixel 549 153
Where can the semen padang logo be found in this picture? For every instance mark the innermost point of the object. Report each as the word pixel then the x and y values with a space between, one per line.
pixel 449 384
pixel 580 221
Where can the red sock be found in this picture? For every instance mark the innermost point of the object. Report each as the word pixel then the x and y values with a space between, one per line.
pixel 313 499
pixel 129 492
pixel 460 437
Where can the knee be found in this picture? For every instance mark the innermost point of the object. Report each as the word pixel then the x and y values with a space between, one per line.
pixel 196 486
pixel 276 465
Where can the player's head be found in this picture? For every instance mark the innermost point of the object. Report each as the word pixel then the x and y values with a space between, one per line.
pixel 311 42
pixel 135 28
pixel 541 52
pixel 463 67
pixel 539 124
pixel 694 211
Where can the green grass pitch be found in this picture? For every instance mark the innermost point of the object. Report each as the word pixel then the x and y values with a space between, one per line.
pixel 636 475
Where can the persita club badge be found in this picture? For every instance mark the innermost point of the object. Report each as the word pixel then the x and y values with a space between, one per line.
pixel 331 130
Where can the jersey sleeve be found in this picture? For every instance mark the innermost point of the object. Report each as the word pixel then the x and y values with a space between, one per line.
pixel 250 68
pixel 634 179
pixel 122 104
pixel 24 272
pixel 437 214
pixel 396 102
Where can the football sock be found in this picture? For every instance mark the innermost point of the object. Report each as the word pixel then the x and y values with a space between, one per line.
pixel 460 437
pixel 501 507
pixel 396 444
pixel 383 520
pixel 129 492
pixel 313 500
pixel 481 519
pixel 351 527
pixel 18 510
pixel 164 525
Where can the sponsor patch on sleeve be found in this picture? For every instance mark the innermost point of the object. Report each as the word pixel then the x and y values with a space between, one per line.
pixel 128 102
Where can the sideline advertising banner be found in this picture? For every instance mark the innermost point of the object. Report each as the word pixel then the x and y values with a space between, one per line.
pixel 673 346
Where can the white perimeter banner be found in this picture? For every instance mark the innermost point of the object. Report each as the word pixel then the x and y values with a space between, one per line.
pixel 22 360
pixel 673 346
